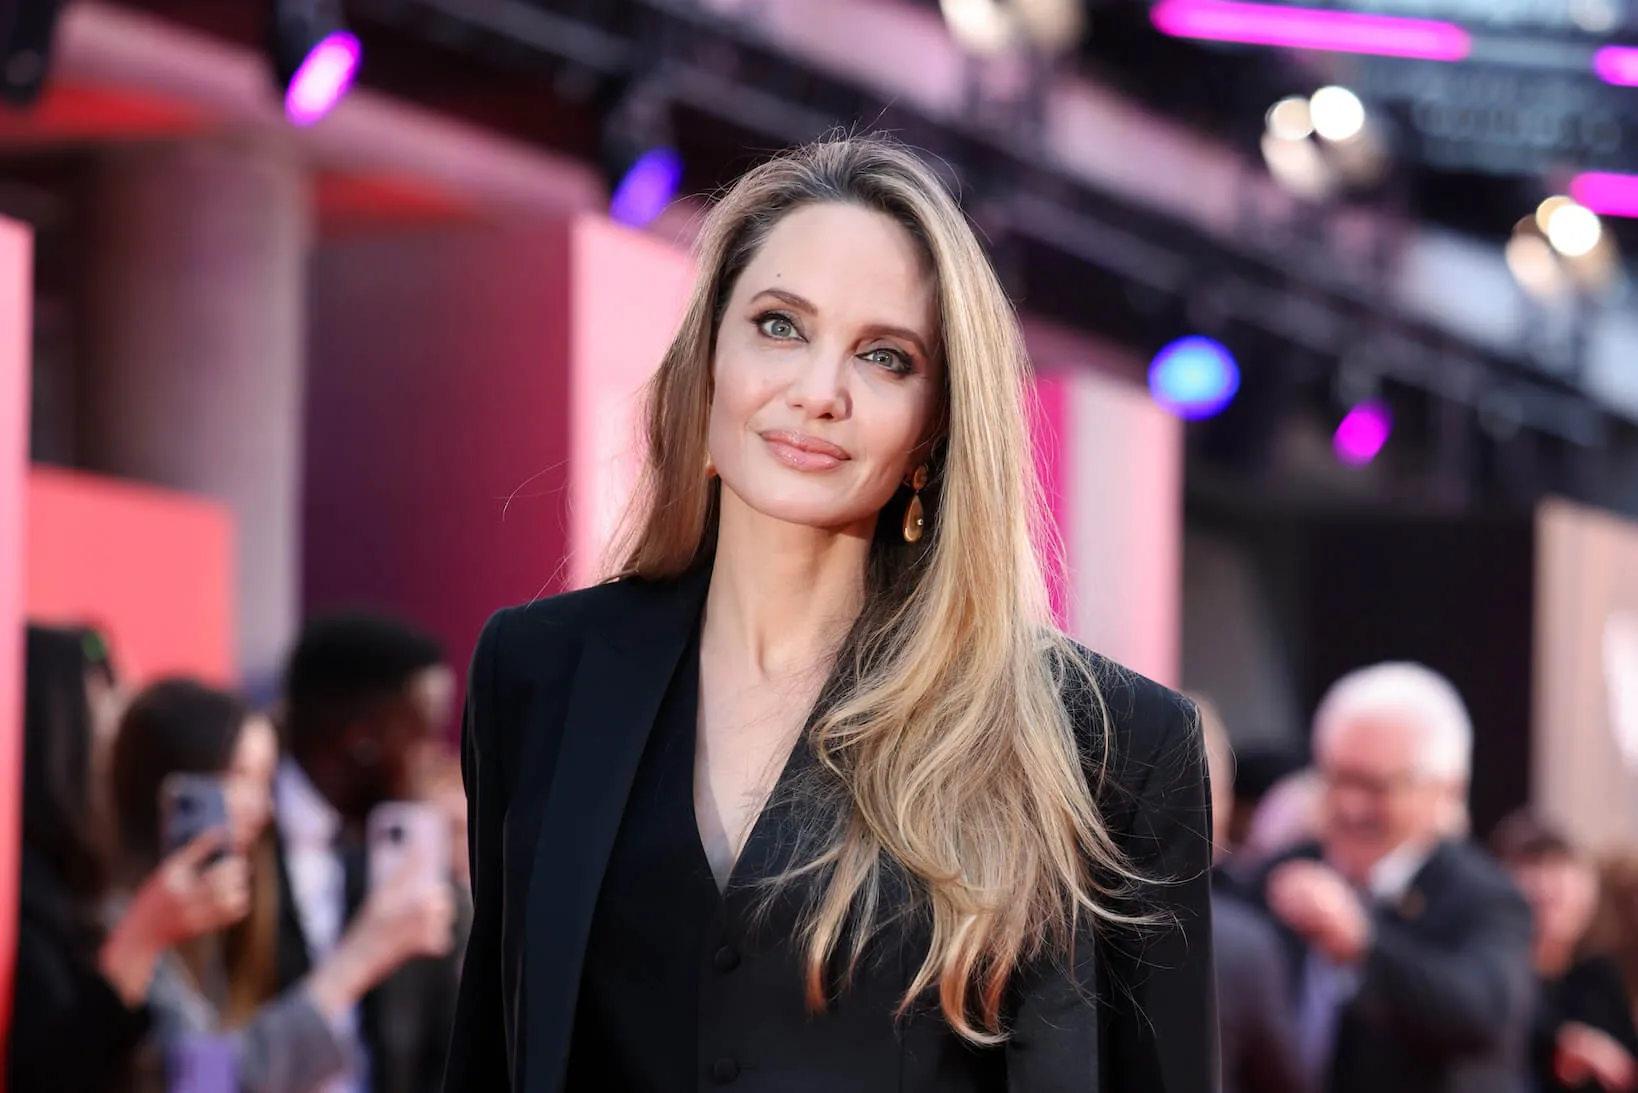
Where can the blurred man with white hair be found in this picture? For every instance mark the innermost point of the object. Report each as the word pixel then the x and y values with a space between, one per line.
pixel 1411 950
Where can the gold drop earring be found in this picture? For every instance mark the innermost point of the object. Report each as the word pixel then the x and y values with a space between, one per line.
pixel 915 521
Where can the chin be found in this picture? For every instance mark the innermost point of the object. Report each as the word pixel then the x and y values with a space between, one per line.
pixel 815 506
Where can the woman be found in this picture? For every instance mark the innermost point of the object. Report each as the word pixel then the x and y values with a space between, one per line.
pixel 290 1043
pixel 1583 1037
pixel 77 1015
pixel 812 797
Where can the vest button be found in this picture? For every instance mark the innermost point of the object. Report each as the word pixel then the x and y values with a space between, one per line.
pixel 724 1070
pixel 726 959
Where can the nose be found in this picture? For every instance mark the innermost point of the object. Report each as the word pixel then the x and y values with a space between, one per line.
pixel 819 388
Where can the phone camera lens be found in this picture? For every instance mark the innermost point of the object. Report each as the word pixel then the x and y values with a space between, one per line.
pixel 185 805
pixel 395 834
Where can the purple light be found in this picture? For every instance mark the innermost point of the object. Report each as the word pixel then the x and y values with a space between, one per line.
pixel 322 79
pixel 1362 433
pixel 647 188
pixel 1617 65
pixel 1307 28
pixel 1606 194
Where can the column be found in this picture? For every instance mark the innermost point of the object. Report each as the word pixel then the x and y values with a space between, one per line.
pixel 195 345
pixel 16 304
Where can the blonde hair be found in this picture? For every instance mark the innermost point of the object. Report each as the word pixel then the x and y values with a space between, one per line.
pixel 946 731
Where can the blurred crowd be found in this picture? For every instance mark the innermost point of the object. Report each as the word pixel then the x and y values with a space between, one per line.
pixel 1365 943
pixel 209 899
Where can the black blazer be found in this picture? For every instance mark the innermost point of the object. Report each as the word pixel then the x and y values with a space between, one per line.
pixel 404 1022
pixel 1446 991
pixel 561 697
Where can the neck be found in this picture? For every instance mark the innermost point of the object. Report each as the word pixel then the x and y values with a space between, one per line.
pixel 782 596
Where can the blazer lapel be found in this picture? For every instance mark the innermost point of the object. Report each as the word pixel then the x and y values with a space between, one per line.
pixel 622 678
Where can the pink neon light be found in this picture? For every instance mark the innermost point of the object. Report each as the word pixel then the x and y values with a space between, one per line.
pixel 1307 28
pixel 1606 194
pixel 1617 65
pixel 1362 433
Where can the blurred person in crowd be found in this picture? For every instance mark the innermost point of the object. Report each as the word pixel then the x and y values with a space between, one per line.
pixel 1258 770
pixel 286 1042
pixel 813 796
pixel 364 700
pixel 1615 924
pixel 78 1012
pixel 1583 1038
pixel 1411 950
pixel 1287 817
pixel 1257 1040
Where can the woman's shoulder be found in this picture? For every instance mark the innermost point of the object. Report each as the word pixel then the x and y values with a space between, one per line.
pixel 1132 727
pixel 526 634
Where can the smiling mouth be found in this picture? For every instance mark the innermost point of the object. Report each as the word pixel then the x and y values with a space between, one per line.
pixel 804 453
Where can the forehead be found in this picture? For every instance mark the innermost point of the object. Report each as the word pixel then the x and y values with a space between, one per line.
pixel 846 259
pixel 1375 739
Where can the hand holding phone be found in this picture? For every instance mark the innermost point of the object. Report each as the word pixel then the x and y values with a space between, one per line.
pixel 408 846
pixel 192 805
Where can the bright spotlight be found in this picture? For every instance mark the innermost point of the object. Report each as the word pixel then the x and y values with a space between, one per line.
pixel 1194 378
pixel 1338 114
pixel 981 27
pixel 1362 433
pixel 1574 230
pixel 1290 119
pixel 315 57
pixel 1545 211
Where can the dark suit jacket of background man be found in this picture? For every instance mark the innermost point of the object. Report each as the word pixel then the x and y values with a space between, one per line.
pixel 406 1021
pixel 1446 990
pixel 1256 1029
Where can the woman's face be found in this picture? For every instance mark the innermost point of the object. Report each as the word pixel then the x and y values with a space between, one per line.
pixel 248 782
pixel 1563 893
pixel 827 370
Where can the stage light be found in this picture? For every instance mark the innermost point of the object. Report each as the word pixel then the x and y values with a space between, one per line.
pixel 1363 432
pixel 981 27
pixel 1310 28
pixel 1617 65
pixel 1290 119
pixel 647 187
pixel 1194 378
pixel 1574 230
pixel 1337 113
pixel 1299 166
pixel 1606 194
pixel 1545 211
pixel 315 57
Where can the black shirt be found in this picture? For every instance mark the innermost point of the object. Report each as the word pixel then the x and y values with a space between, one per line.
pixel 670 957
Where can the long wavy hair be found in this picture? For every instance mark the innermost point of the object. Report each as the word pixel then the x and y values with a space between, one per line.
pixel 947 724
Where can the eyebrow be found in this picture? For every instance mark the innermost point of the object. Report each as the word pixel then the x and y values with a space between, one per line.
pixel 801 303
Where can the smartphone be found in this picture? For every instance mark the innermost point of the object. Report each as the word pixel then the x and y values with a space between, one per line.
pixel 189 806
pixel 408 835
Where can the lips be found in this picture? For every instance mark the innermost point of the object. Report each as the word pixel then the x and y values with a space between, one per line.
pixel 803 452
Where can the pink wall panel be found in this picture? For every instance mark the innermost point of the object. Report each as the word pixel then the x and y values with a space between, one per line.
pixel 16 308
pixel 153 568
pixel 629 293
pixel 1111 463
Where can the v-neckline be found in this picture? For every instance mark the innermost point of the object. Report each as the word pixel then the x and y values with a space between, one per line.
pixel 755 833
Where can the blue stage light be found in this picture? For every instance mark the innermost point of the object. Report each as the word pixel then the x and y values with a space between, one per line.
pixel 1194 377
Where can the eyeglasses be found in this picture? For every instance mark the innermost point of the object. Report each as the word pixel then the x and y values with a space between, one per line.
pixel 1373 785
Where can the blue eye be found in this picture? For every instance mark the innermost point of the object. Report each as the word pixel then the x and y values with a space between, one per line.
pixel 778 326
pixel 892 359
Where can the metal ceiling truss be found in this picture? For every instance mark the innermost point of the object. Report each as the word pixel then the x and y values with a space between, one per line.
pixel 1301 287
